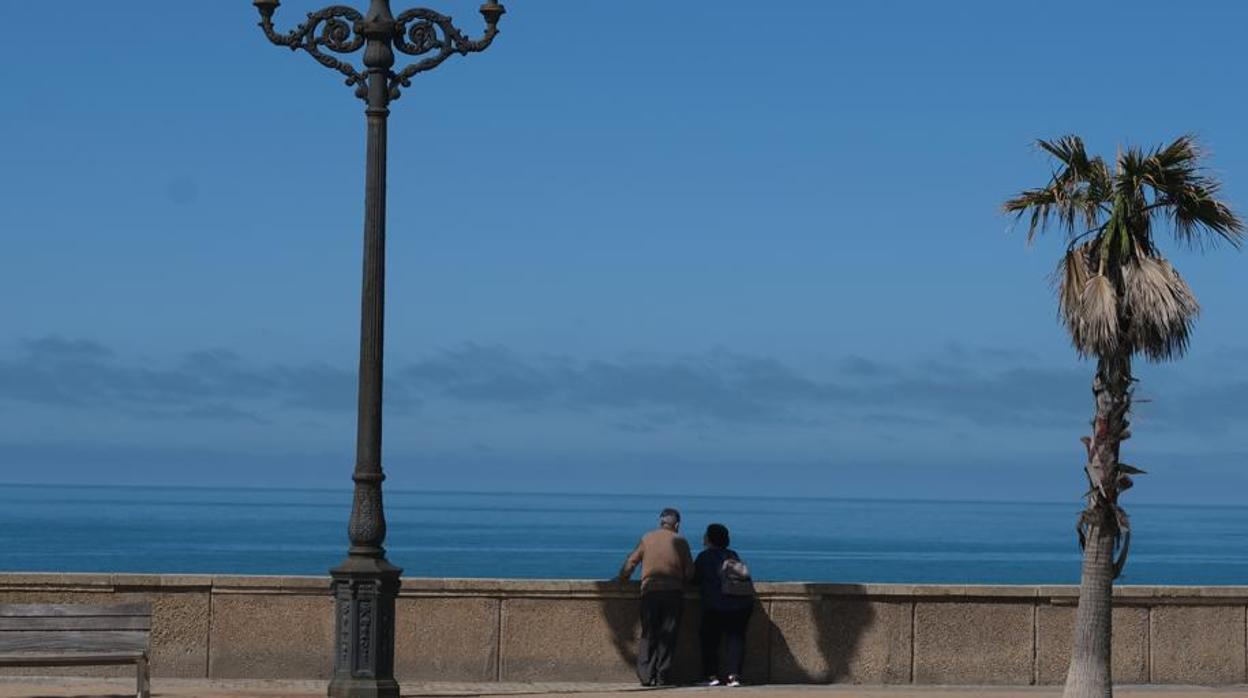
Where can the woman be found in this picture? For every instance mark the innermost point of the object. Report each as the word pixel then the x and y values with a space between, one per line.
pixel 724 615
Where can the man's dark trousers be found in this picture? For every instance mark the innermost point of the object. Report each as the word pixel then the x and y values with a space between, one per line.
pixel 660 620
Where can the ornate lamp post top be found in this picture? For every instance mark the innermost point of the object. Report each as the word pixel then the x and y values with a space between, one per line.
pixel 339 29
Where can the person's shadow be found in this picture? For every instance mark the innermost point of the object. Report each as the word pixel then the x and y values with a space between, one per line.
pixel 620 607
pixel 799 639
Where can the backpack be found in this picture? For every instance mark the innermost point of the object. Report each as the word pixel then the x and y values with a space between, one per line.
pixel 734 578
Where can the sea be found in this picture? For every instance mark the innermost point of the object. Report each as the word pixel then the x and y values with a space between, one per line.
pixel 585 536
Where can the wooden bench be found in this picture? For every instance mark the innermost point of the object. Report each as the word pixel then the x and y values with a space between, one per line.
pixel 77 635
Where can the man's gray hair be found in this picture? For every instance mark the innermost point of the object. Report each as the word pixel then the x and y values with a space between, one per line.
pixel 669 517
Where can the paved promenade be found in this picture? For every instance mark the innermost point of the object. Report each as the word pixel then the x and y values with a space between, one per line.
pixel 31 687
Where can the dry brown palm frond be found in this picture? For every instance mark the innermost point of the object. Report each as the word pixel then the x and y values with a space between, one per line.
pixel 1070 279
pixel 1161 306
pixel 1095 330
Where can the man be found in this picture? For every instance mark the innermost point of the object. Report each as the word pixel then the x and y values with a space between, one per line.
pixel 666 565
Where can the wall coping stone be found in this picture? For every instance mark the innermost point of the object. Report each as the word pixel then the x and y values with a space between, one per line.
pixel 571 588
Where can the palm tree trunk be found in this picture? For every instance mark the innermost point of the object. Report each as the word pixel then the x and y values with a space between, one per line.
pixel 1090 674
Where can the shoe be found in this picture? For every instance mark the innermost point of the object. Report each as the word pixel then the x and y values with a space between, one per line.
pixel 712 681
pixel 733 681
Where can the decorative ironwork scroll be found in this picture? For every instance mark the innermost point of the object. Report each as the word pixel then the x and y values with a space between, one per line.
pixel 416 32
pixel 336 28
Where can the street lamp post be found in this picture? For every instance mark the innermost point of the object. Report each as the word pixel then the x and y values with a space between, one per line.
pixel 365 584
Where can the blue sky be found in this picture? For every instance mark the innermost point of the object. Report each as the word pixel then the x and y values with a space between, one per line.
pixel 679 248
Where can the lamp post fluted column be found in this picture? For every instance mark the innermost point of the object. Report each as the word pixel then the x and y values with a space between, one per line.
pixel 365 584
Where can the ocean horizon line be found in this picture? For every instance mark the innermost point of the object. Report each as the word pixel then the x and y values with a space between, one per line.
pixel 630 495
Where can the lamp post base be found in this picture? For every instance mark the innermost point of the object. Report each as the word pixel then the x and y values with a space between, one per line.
pixel 363 688
pixel 364 591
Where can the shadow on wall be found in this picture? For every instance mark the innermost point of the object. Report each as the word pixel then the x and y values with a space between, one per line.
pixel 620 608
pixel 811 639
pixel 820 639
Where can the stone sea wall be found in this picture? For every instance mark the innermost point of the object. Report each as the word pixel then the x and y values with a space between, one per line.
pixel 544 630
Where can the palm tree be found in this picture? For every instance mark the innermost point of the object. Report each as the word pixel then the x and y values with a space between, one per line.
pixel 1119 297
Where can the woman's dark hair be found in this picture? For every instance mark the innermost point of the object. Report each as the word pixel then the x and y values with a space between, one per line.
pixel 717 534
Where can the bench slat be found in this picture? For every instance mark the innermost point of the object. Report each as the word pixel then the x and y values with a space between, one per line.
pixel 27 610
pixel 69 658
pixel 50 641
pixel 76 623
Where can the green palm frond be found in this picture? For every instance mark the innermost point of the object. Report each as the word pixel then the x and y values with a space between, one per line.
pixel 1186 195
pixel 1198 216
pixel 1075 195
pixel 1039 202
